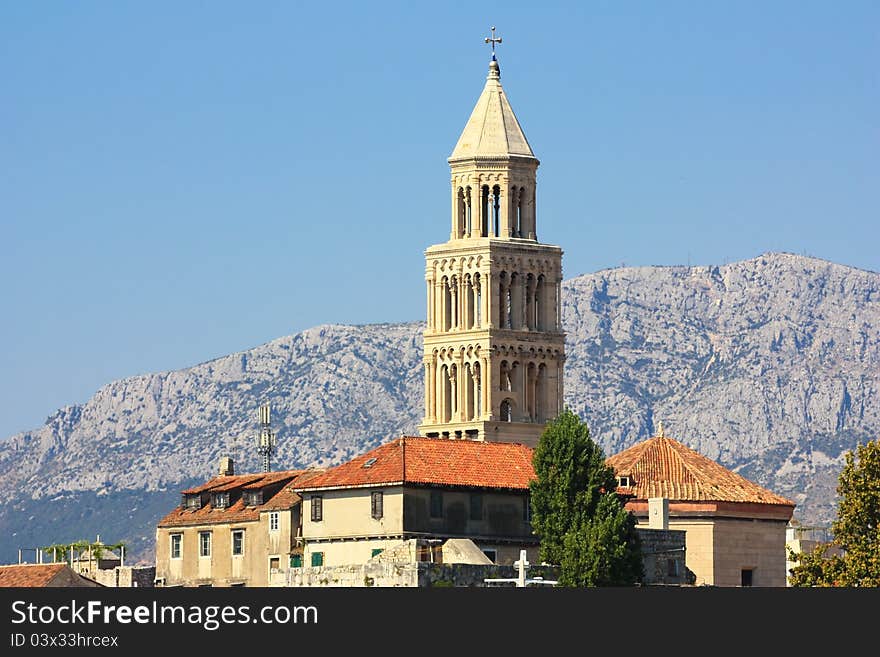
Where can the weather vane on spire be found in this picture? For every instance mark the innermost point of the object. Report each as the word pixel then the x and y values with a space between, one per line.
pixel 493 41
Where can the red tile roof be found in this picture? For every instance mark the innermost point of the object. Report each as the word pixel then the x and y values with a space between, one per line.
pixel 284 498
pixel 663 467
pixel 31 575
pixel 439 461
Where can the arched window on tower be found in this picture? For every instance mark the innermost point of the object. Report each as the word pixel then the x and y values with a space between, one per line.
pixel 518 213
pixel 506 411
pixel 446 394
pixel 496 210
pixel 503 300
pixel 541 394
pixel 468 215
pixel 513 302
pixel 447 304
pixel 484 211
pixel 478 391
pixel 463 222
pixel 530 302
pixel 478 301
pixel 469 302
pixel 505 377
pixel 540 303
pixel 529 397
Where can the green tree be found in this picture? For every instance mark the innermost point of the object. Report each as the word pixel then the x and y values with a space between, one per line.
pixel 856 529
pixel 582 525
pixel 604 551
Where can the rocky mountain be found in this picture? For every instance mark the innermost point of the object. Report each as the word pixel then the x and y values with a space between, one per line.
pixel 770 366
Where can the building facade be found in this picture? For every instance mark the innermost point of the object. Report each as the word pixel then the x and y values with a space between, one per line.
pixel 735 529
pixel 231 531
pixel 420 488
pixel 493 345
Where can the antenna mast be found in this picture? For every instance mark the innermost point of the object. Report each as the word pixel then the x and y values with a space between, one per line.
pixel 266 442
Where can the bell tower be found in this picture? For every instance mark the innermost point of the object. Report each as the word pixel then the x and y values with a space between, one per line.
pixel 494 348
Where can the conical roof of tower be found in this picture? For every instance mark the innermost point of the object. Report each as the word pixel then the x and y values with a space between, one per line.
pixel 492 129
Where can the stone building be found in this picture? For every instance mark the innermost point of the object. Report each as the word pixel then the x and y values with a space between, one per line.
pixel 494 347
pixel 735 530
pixel 420 488
pixel 231 531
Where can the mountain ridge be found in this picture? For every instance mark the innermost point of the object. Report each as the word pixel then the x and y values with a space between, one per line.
pixel 768 365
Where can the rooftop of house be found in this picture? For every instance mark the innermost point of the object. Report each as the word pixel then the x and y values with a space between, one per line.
pixel 432 461
pixel 278 494
pixel 30 575
pixel 663 467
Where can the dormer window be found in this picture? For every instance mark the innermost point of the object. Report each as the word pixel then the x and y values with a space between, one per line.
pixel 192 501
pixel 624 482
pixel 220 500
pixel 253 497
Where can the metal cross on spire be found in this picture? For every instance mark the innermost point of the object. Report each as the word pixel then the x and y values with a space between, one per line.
pixel 493 41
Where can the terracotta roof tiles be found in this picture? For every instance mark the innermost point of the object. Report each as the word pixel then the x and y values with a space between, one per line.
pixel 663 467
pixel 284 498
pixel 30 575
pixel 438 461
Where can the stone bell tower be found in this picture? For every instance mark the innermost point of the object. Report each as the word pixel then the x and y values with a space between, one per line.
pixel 493 346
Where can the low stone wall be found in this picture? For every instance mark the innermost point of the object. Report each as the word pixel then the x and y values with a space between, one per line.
pixel 422 574
pixel 663 557
pixel 126 576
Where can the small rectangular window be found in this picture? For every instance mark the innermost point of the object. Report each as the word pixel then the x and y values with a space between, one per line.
pixel 672 568
pixel 274 521
pixel 204 544
pixel 296 561
pixel 317 505
pixel 436 504
pixel 274 564
pixel 317 558
pixel 376 504
pixel 476 506
pixel 238 542
pixel 746 578
pixel 176 545
pixel 220 500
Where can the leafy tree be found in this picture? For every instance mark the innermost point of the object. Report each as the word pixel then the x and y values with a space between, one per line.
pixel 604 551
pixel 582 525
pixel 856 529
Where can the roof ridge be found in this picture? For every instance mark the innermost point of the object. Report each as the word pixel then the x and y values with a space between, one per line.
pixel 695 474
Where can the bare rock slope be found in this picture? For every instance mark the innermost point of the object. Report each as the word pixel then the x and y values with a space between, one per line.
pixel 770 366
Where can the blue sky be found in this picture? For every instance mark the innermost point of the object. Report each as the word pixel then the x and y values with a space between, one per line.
pixel 185 180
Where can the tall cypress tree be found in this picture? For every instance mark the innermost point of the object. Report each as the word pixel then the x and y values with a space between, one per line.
pixel 575 511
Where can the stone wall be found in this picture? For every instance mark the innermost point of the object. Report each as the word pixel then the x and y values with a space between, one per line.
pixel 421 574
pixel 126 576
pixel 663 557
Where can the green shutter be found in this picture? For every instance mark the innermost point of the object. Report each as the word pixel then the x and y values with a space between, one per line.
pixel 317 558
pixel 296 561
pixel 376 551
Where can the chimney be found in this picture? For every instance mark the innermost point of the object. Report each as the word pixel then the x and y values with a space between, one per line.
pixel 658 513
pixel 226 467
